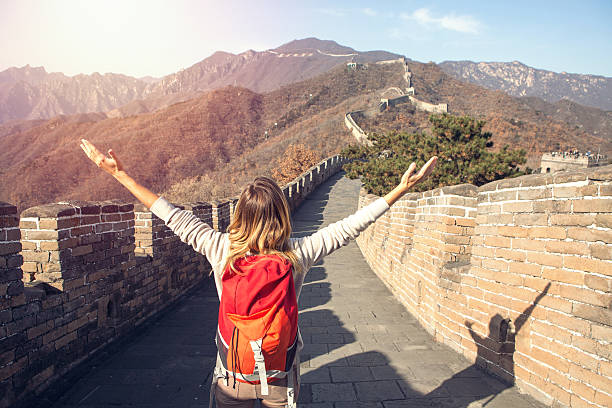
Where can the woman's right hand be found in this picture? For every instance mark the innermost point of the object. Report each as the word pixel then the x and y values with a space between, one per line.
pixel 111 164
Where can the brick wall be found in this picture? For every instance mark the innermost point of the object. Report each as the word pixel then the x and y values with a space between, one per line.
pixel 75 276
pixel 516 275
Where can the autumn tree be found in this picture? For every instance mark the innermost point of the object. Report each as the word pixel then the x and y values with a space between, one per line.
pixel 295 161
pixel 463 149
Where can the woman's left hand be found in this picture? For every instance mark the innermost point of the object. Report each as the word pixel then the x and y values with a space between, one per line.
pixel 111 164
pixel 409 179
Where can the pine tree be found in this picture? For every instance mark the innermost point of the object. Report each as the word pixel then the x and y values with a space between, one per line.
pixel 463 150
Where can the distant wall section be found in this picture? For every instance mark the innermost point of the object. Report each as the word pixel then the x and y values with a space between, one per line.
pixel 356 131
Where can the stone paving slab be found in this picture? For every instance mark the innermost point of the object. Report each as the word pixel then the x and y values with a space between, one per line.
pixel 362 348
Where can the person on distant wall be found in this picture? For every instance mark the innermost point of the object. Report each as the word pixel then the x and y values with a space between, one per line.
pixel 259 271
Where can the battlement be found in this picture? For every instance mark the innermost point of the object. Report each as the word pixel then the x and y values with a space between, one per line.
pixel 356 130
pixel 465 259
pixel 558 161
pixel 75 276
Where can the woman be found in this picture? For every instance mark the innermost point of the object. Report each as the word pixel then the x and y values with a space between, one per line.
pixel 261 226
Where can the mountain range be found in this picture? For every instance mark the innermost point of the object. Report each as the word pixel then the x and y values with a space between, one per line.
pixel 518 79
pixel 32 93
pixel 195 143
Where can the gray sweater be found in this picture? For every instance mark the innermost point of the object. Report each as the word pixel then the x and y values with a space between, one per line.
pixel 309 250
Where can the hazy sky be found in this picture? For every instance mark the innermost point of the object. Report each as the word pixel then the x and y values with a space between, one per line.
pixel 156 37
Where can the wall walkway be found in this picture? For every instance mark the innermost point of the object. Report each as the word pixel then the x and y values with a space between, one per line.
pixel 361 346
pixel 516 275
pixel 77 276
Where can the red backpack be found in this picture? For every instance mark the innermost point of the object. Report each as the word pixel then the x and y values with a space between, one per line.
pixel 257 332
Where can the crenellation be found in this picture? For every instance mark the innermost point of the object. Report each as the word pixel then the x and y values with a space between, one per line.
pixel 74 276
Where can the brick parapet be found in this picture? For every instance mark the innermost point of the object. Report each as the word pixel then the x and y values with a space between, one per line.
pixel 478 258
pixel 83 286
pixel 94 271
pixel 221 215
pixel 58 238
pixel 297 190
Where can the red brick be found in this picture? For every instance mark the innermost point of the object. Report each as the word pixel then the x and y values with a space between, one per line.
pixel 550 359
pixel 483 251
pixel 603 220
pixel 23 224
pixel 75 232
pixel 525 268
pixel 61 342
pixel 531 219
pixel 552 206
pixel 528 244
pixel 545 259
pixel 534 193
pixel 588 265
pixel 583 220
pixel 583 390
pixel 603 399
pixel 589 234
pixel 8 370
pixel 502 242
pixel 495 264
pixel 554 332
pixel 601 251
pixel 548 232
pixel 518 207
pixel 599 283
pixel 585 295
pixel 564 247
pixel 591 206
pixel 90 219
pixel 600 332
pixel 557 303
pixel 82 250
pixel 563 275
pixel 509 231
pixel 41 235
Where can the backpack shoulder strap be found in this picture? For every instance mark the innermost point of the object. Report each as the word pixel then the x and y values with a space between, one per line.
pixel 261 364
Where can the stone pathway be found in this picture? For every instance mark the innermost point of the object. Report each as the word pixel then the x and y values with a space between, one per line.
pixel 362 349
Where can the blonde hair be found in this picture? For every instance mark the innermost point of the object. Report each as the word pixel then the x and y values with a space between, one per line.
pixel 261 224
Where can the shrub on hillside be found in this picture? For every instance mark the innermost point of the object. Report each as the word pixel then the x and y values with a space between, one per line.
pixel 295 161
pixel 458 141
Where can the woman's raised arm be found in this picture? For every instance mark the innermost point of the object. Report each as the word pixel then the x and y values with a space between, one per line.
pixel 113 166
pixel 409 179
pixel 313 248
